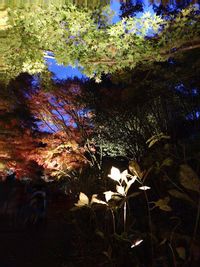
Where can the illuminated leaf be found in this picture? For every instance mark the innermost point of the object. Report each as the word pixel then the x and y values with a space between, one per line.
pixel 94 199
pixel 155 138
pixel 135 169
pixel 96 49
pixel 120 189
pixel 83 200
pixel 115 174
pixel 108 195
pixel 124 176
pixel 2 166
pixel 129 183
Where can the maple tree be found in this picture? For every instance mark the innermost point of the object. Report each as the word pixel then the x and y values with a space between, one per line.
pixel 75 38
pixel 62 109
pixel 58 155
pixel 67 121
pixel 60 113
pixel 130 107
pixel 17 127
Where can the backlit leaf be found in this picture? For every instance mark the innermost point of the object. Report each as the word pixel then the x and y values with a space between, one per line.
pixel 108 195
pixel 120 189
pixel 96 200
pixel 155 138
pixel 115 174
pixel 129 183
pixel 83 200
pixel 124 176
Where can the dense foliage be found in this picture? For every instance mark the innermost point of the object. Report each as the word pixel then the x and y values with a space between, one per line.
pixel 77 37
pixel 142 117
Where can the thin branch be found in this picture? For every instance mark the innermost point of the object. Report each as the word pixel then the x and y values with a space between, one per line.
pixel 168 53
pixel 182 49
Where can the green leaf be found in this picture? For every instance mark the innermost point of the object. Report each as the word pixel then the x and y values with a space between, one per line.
pixel 155 138
pixel 100 234
pixel 167 162
pixel 180 195
pixel 162 204
pixel 188 178
pixel 135 194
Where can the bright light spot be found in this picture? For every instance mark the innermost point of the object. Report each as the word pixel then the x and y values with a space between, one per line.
pixel 144 187
pixel 136 243
pixel 115 174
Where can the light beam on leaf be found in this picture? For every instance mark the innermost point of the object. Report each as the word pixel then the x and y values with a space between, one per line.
pixel 124 176
pixel 108 195
pixel 115 174
pixel 129 183
pixel 96 200
pixel 120 189
pixel 83 200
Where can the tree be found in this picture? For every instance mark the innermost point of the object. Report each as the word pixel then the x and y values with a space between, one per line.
pixel 58 155
pixel 133 106
pixel 66 119
pixel 62 109
pixel 130 8
pixel 17 127
pixel 75 38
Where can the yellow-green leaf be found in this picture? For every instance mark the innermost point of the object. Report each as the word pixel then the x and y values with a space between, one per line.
pixel 167 162
pixel 188 178
pixel 180 195
pixel 163 204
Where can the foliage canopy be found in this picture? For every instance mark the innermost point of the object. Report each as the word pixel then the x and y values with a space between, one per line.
pixel 85 39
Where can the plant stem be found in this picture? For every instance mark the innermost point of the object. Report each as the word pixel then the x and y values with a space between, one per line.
pixel 197 220
pixel 150 226
pixel 113 219
pixel 173 255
